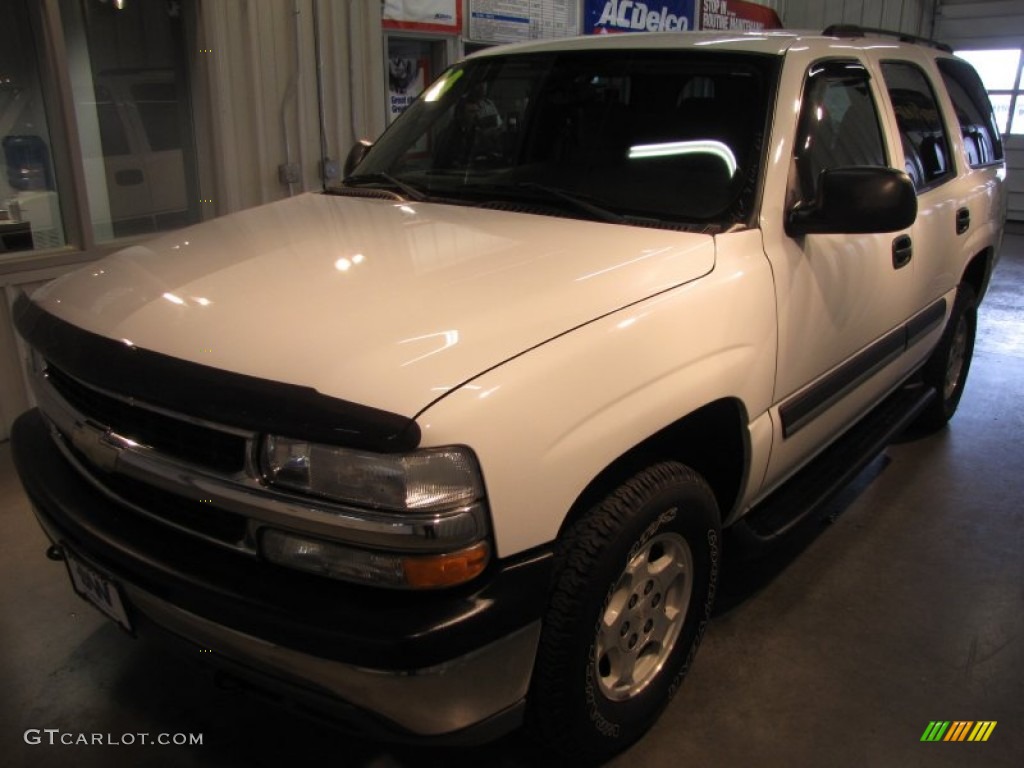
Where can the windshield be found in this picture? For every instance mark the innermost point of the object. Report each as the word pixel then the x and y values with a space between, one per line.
pixel 664 137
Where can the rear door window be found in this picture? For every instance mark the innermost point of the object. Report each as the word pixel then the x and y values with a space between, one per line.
pixel 926 147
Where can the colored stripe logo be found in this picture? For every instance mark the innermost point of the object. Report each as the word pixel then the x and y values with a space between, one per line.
pixel 958 730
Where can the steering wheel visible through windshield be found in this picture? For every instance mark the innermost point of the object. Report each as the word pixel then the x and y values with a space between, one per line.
pixel 658 136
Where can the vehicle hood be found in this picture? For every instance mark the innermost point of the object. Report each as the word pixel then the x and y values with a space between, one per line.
pixel 383 303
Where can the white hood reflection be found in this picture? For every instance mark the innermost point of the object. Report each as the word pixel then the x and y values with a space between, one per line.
pixel 375 302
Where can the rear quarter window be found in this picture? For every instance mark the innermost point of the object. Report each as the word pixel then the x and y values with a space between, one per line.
pixel 982 142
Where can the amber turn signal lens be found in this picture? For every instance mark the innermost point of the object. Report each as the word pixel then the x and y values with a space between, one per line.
pixel 426 571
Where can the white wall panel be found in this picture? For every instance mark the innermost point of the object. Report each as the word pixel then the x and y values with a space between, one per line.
pixel 872 14
pixel 981 24
pixel 910 16
pixel 1015 177
pixel 853 12
pixel 259 84
pixel 892 15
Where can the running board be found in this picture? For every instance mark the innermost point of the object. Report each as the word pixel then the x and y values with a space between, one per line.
pixel 817 483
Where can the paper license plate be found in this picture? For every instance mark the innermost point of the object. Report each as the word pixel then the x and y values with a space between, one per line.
pixel 97 589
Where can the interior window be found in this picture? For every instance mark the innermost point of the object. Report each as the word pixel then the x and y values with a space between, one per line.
pixel 838 126
pixel 30 203
pixel 926 145
pixel 128 65
pixel 157 105
pixel 113 137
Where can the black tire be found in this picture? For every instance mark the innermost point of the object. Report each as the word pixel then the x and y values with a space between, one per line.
pixel 947 368
pixel 612 654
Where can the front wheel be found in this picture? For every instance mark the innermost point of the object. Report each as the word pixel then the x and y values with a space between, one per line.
pixel 946 370
pixel 632 595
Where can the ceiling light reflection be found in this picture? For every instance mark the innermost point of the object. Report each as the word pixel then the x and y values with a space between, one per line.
pixel 447 338
pixel 345 263
pixel 694 147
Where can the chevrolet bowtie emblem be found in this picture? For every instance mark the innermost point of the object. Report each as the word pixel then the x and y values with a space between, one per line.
pixel 95 444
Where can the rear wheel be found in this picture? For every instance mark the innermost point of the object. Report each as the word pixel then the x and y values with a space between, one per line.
pixel 947 368
pixel 633 592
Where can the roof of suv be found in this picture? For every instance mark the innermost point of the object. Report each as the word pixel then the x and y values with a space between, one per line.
pixel 773 42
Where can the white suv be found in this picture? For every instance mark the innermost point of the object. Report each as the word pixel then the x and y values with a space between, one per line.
pixel 452 446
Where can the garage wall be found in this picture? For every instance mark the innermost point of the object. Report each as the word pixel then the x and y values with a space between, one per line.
pixel 990 25
pixel 910 16
pixel 973 24
pixel 257 74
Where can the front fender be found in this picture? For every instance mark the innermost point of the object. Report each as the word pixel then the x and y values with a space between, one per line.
pixel 544 424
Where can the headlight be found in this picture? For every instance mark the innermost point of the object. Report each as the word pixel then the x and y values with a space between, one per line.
pixel 431 479
pixel 430 502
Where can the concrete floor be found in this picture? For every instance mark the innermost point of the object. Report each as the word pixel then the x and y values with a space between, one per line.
pixel 907 606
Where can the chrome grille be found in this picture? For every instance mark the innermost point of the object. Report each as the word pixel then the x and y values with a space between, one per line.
pixel 200 477
pixel 192 515
pixel 219 451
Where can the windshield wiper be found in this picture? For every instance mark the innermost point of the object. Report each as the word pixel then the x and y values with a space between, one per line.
pixel 599 213
pixel 386 178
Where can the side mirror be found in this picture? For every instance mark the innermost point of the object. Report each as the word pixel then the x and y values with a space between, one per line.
pixel 355 156
pixel 855 201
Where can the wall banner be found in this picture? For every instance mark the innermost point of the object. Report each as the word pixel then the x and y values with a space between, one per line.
pixel 605 16
pixel 423 15
pixel 735 15
pixel 513 21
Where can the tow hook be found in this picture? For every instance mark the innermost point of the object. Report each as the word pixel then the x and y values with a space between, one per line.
pixel 53 552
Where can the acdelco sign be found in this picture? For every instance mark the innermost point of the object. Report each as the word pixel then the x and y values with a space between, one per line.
pixel 604 16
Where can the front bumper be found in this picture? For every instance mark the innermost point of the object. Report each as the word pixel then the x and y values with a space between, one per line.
pixel 442 665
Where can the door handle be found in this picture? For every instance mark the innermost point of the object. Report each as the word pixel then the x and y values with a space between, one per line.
pixel 902 251
pixel 963 220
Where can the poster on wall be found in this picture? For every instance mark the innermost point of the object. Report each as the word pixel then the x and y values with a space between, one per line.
pixel 423 15
pixel 602 17
pixel 513 21
pixel 407 77
pixel 736 15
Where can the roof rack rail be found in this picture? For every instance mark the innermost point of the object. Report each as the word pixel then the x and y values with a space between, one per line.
pixel 853 30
